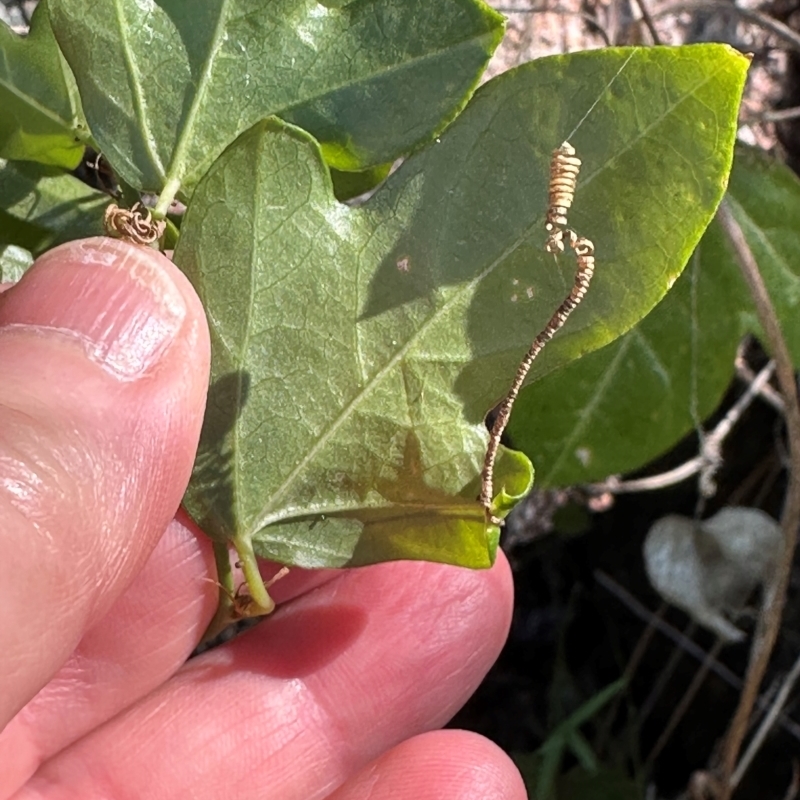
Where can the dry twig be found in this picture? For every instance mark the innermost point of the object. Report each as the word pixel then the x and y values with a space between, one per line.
pixel 774 593
pixel 704 464
pixel 756 17
pixel 694 650
pixel 648 21
pixel 683 706
pixel 767 723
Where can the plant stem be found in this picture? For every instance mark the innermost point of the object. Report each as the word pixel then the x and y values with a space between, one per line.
pixel 166 197
pixel 706 461
pixel 222 617
pixel 648 21
pixel 694 650
pixel 768 722
pixel 774 593
pixel 683 706
pixel 255 583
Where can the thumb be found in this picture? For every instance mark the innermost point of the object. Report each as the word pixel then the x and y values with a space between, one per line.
pixel 104 361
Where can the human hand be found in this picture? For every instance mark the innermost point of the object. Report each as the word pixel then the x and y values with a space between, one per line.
pixel 104 592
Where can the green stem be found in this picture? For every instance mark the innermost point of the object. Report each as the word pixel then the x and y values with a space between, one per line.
pixel 171 235
pixel 223 564
pixel 166 197
pixel 224 614
pixel 255 583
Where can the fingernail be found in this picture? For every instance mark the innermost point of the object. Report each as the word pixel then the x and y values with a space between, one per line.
pixel 117 299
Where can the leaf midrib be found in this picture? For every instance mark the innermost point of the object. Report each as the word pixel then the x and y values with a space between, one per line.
pixel 257 201
pixel 264 519
pixel 136 90
pixel 174 172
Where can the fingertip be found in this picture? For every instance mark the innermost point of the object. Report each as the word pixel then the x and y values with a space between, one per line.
pixel 441 765
pixel 125 305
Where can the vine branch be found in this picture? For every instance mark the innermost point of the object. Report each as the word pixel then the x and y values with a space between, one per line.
pixel 775 593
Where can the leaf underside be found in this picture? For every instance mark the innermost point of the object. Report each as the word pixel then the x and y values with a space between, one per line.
pixel 356 351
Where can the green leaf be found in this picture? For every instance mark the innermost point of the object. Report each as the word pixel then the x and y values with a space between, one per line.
pixel 582 750
pixel 15 231
pixel 619 408
pixel 167 85
pixel 42 118
pixel 567 736
pixel 764 196
pixel 590 708
pixel 530 766
pixel 549 765
pixel 356 350
pixel 607 783
pixel 49 201
pixel 14 262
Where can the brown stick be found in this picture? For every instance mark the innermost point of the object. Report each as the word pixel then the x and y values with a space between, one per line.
pixel 648 21
pixel 756 17
pixel 775 593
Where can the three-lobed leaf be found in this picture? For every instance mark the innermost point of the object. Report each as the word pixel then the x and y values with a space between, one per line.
pixel 315 435
pixel 167 85
pixel 41 117
pixel 356 351
pixel 624 405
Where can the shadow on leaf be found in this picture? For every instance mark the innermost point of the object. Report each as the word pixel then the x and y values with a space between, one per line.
pixel 213 469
